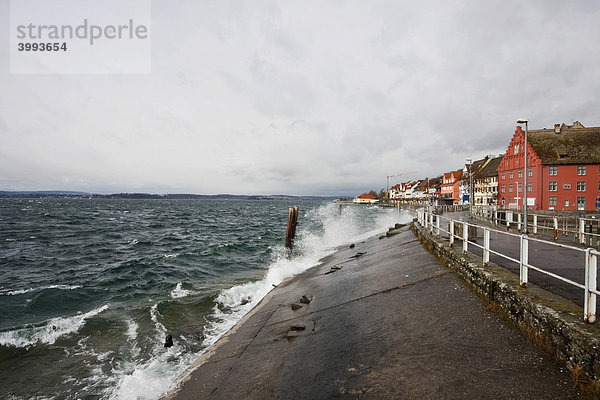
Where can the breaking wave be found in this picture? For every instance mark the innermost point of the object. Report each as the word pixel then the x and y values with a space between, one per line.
pixel 47 332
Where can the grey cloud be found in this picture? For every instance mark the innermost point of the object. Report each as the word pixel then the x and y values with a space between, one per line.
pixel 304 97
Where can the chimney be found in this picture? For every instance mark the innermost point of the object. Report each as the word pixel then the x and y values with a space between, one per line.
pixel 556 128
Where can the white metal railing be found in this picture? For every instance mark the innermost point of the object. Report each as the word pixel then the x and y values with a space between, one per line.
pixel 580 229
pixel 431 222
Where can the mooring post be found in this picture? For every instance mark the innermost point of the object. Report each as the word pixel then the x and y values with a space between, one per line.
pixel 291 226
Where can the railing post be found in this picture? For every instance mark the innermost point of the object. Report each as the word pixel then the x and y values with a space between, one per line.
pixel 465 237
pixel 591 272
pixel 581 231
pixel 555 223
pixel 496 218
pixel 509 218
pixel 437 225
pixel 523 259
pixel 451 232
pixel 534 224
pixel 431 223
pixel 486 246
pixel 519 222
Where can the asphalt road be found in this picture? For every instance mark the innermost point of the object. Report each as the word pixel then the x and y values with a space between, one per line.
pixel 561 261
pixel 389 324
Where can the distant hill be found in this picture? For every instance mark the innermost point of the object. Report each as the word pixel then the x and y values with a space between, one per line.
pixel 74 194
pixel 37 193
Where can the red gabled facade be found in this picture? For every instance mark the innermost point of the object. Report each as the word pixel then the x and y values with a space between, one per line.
pixel 564 169
pixel 450 185
pixel 511 170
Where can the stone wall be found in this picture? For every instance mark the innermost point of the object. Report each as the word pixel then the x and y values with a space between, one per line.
pixel 550 321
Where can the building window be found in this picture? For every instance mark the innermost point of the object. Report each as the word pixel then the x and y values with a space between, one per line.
pixel 552 186
pixel 529 187
pixel 581 186
pixel 502 175
pixel 520 173
pixel 553 170
pixel 510 188
pixel 581 203
pixel 516 149
pixel 566 203
pixel 567 186
pixel 503 202
pixel 529 171
pixel 581 170
pixel 504 187
pixel 510 174
pixel 517 162
pixel 552 200
pixel 519 187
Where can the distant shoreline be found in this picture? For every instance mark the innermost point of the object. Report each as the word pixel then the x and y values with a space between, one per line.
pixel 150 196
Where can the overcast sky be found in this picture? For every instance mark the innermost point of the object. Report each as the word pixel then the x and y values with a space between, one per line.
pixel 303 97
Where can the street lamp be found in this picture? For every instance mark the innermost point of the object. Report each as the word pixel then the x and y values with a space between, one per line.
pixel 471 199
pixel 524 121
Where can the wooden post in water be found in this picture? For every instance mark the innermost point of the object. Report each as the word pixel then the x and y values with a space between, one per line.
pixel 291 226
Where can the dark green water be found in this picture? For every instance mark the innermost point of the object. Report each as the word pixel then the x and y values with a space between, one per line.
pixel 90 288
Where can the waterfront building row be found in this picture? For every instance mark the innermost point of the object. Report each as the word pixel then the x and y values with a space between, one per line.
pixel 563 174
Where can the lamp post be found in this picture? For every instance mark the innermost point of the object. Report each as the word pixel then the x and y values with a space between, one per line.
pixel 524 121
pixel 471 199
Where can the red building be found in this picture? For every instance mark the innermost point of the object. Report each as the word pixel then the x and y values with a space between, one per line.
pixel 564 169
pixel 450 186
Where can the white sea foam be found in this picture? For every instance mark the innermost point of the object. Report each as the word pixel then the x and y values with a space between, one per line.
pixel 48 331
pixel 132 330
pixel 179 292
pixel 156 376
pixel 152 379
pixel 22 291
pixel 161 331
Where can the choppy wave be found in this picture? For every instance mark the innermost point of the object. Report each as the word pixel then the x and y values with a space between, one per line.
pixel 7 292
pixel 47 332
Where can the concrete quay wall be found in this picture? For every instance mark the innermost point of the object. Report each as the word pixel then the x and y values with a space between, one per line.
pixel 550 321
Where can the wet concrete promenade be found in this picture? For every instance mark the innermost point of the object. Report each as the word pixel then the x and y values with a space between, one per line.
pixel 386 321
